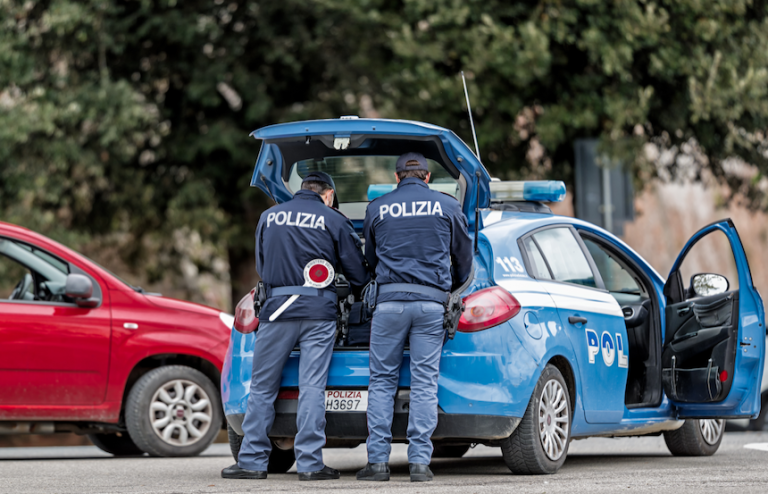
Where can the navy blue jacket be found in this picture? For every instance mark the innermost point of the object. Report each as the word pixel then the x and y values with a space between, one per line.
pixel 415 235
pixel 292 234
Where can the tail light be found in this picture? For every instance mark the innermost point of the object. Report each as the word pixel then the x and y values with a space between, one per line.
pixel 487 308
pixel 245 315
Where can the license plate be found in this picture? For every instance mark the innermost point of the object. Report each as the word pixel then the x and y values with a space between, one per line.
pixel 346 401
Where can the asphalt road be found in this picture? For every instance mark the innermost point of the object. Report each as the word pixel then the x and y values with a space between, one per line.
pixel 593 466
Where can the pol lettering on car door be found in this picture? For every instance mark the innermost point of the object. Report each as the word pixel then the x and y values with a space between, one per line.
pixel 605 345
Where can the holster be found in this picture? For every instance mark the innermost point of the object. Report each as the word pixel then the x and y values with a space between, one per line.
pixel 453 310
pixel 343 317
pixel 370 293
pixel 259 297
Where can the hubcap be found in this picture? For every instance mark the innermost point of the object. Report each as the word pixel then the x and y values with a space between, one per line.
pixel 180 412
pixel 553 420
pixel 711 430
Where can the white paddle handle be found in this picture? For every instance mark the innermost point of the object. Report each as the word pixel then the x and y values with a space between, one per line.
pixel 282 308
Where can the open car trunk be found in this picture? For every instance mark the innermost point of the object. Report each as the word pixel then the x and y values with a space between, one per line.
pixel 360 155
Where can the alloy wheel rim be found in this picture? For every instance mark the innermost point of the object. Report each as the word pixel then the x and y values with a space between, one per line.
pixel 180 412
pixel 711 430
pixel 553 420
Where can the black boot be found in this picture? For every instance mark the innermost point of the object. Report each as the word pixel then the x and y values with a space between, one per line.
pixel 235 472
pixel 420 473
pixel 327 473
pixel 374 471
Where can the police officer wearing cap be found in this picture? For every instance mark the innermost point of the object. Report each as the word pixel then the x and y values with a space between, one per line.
pixel 414 238
pixel 289 236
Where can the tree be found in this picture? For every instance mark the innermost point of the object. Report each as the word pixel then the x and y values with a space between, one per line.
pixel 133 117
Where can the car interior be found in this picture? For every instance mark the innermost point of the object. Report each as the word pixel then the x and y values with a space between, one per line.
pixel 701 337
pixel 638 303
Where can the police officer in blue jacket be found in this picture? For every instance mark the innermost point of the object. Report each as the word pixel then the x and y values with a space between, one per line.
pixel 288 237
pixel 414 236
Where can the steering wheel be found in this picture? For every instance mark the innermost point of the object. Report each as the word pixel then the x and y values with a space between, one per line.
pixel 21 288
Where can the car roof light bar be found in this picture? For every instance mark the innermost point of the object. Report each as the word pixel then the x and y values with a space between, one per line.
pixel 538 190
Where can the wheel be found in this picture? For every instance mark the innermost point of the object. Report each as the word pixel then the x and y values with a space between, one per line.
pixel 697 437
pixel 450 450
pixel 119 444
pixel 280 460
pixel 539 445
pixel 173 411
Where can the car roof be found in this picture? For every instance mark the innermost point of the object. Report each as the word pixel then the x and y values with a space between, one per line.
pixel 516 224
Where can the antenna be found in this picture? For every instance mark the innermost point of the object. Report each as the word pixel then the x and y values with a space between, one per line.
pixel 471 122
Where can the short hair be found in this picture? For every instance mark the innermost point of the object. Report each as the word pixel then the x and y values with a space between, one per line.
pixel 315 186
pixel 420 174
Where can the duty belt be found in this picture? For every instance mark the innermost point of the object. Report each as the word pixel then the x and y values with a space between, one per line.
pixel 302 290
pixel 414 288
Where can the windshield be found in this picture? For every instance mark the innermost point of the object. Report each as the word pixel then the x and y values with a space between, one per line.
pixel 360 179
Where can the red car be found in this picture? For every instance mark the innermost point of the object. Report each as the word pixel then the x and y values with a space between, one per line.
pixel 83 351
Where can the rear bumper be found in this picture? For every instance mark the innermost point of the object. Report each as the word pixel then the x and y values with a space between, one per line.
pixel 353 425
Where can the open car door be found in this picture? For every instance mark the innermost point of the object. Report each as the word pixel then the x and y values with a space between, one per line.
pixel 714 341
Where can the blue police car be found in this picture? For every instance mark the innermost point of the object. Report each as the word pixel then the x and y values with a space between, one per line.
pixel 567 332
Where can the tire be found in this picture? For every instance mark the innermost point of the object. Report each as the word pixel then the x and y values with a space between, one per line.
pixel 450 450
pixel 524 451
pixel 119 444
pixel 280 460
pixel 179 402
pixel 697 437
pixel 235 441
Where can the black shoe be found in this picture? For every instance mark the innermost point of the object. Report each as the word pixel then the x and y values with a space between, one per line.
pixel 327 473
pixel 374 471
pixel 235 472
pixel 420 473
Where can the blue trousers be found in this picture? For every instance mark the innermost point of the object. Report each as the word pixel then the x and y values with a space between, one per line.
pixel 274 342
pixel 422 323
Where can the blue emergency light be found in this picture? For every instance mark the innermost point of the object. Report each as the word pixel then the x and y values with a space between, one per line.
pixel 377 190
pixel 537 190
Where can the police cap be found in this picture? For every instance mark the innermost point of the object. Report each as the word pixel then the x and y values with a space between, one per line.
pixel 407 157
pixel 326 179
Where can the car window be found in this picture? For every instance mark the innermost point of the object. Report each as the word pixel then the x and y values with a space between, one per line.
pixel 564 256
pixel 360 179
pixel 615 277
pixel 32 274
pixel 539 264
pixel 11 275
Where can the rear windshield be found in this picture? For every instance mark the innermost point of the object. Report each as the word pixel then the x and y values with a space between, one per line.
pixel 360 179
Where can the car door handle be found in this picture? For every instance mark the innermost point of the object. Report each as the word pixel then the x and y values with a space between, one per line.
pixel 683 310
pixel 577 319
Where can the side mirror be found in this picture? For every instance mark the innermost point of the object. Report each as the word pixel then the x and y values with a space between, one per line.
pixel 706 284
pixel 80 288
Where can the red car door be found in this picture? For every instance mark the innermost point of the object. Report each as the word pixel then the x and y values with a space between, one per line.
pixel 52 352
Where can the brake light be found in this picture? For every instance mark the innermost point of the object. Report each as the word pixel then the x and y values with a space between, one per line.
pixel 245 314
pixel 487 308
